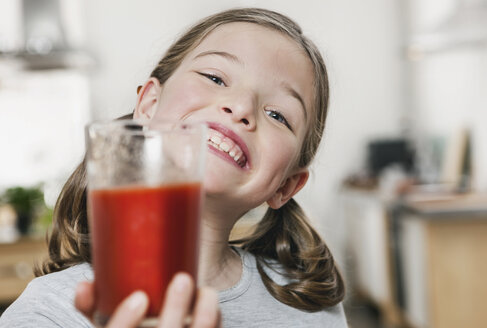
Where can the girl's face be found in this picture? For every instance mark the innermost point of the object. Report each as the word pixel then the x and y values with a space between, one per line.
pixel 254 88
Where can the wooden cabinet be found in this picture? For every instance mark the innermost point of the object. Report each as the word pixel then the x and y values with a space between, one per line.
pixel 16 266
pixel 444 260
pixel 421 260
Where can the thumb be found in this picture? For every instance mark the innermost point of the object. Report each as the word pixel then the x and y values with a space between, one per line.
pixel 84 299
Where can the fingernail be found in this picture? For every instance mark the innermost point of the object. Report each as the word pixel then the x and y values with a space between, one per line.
pixel 181 282
pixel 137 300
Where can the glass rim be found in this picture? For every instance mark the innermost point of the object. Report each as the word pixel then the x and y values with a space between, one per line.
pixel 129 126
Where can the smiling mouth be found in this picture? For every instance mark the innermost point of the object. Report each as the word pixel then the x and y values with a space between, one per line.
pixel 228 146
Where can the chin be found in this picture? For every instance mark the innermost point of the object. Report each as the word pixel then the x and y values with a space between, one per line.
pixel 215 184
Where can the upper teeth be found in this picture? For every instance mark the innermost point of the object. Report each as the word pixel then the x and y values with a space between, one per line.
pixel 225 146
pixel 221 142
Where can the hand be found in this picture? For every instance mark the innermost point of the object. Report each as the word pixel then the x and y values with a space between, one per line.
pixel 176 308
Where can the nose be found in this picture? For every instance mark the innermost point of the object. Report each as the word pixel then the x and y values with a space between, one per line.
pixel 241 106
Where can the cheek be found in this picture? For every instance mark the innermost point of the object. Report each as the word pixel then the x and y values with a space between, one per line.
pixel 180 99
pixel 278 159
pixel 282 151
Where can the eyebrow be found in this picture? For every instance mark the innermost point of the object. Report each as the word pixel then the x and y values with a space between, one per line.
pixel 223 54
pixel 296 95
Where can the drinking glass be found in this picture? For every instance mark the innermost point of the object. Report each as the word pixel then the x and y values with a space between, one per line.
pixel 144 202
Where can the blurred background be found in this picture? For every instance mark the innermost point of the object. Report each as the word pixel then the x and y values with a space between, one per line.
pixel 398 187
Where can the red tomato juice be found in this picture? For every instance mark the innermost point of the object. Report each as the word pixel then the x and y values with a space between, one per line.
pixel 142 236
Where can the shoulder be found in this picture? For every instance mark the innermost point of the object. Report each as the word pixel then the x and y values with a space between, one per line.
pixel 48 301
pixel 59 285
pixel 249 303
pixel 65 281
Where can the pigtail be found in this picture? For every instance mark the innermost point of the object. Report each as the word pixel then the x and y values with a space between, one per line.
pixel 286 236
pixel 69 242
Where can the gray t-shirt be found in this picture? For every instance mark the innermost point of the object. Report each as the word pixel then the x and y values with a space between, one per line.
pixel 48 302
pixel 249 304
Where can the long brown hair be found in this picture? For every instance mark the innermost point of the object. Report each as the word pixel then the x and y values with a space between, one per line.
pixel 284 234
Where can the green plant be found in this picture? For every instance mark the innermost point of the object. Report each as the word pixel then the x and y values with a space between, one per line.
pixel 26 202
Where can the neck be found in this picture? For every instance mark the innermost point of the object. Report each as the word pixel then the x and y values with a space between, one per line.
pixel 219 265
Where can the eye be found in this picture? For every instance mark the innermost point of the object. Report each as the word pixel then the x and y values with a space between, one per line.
pixel 278 117
pixel 214 78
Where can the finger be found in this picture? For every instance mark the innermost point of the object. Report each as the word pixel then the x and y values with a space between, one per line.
pixel 178 301
pixel 130 312
pixel 219 323
pixel 84 299
pixel 206 313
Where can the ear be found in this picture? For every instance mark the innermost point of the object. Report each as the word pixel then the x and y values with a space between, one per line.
pixel 148 99
pixel 288 189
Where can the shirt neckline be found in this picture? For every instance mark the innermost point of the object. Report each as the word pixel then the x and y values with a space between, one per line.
pixel 248 263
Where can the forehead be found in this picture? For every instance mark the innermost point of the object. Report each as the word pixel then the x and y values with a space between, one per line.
pixel 255 42
pixel 244 32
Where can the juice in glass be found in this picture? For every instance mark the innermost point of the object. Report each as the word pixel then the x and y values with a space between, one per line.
pixel 141 237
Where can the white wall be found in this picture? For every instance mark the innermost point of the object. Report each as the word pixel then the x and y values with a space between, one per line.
pixel 360 41
pixel 42 117
pixel 42 112
pixel 449 86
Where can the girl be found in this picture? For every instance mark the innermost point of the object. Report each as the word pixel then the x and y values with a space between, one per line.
pixel 262 88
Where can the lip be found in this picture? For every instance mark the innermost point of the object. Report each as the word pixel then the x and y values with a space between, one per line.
pixel 232 135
